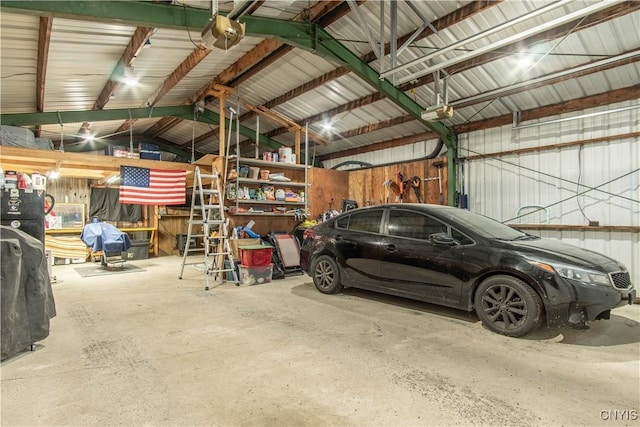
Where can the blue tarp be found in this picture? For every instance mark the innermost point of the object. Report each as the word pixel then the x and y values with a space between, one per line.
pixel 102 236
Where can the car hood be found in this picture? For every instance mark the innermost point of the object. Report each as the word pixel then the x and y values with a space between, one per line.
pixel 553 250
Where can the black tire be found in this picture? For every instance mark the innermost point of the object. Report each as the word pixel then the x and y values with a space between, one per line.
pixel 508 306
pixel 326 276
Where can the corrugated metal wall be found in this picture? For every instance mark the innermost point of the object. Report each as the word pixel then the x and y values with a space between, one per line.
pixel 499 186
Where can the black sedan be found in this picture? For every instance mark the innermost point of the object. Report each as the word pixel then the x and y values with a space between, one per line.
pixel 454 257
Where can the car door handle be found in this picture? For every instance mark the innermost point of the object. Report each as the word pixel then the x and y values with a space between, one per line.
pixel 391 248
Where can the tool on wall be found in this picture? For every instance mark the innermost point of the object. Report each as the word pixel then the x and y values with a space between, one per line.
pixel 414 183
pixel 400 179
pixel 439 165
pixel 463 198
pixel 387 189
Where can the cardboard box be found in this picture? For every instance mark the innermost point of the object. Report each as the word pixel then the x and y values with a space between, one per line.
pixel 236 243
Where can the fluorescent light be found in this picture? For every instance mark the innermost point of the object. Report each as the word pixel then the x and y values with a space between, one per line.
pixel 113 178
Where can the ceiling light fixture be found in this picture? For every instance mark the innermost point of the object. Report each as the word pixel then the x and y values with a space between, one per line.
pixel 525 61
pixel 128 77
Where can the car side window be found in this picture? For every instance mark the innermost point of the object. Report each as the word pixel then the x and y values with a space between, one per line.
pixel 343 222
pixel 362 221
pixel 464 240
pixel 412 224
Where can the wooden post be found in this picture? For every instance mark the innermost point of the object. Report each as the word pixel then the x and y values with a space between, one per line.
pixel 154 236
pixel 297 146
pixel 221 132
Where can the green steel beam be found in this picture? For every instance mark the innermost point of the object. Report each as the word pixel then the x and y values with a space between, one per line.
pixel 49 118
pixel 184 112
pixel 131 13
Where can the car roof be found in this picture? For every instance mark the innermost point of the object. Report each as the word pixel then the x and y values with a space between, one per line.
pixel 423 207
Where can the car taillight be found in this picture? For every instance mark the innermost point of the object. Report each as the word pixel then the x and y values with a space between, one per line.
pixel 309 234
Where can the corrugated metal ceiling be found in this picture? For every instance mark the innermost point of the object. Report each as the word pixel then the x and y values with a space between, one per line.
pixel 83 55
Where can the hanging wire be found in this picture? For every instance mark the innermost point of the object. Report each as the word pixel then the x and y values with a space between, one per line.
pixel 580 149
pixel 61 148
pixel 576 195
pixel 130 133
pixel 557 177
pixel 193 134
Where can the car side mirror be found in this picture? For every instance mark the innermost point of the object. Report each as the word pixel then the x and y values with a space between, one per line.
pixel 442 239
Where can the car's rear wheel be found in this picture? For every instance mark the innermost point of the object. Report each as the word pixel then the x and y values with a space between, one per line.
pixel 326 276
pixel 508 306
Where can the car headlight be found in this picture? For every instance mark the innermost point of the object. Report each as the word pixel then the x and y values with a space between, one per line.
pixel 571 272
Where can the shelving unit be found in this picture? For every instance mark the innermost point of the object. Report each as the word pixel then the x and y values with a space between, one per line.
pixel 299 181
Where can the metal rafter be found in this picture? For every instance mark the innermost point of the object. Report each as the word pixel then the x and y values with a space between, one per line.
pixel 477 36
pixel 591 20
pixel 597 100
pixel 594 8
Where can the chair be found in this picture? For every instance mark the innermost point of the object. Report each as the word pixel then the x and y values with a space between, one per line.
pixel 107 241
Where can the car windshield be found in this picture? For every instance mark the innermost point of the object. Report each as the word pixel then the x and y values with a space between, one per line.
pixel 485 226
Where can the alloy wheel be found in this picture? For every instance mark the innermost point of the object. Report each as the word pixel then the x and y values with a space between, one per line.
pixel 504 306
pixel 324 275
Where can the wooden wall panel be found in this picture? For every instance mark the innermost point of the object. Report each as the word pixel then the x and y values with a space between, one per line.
pixel 70 190
pixel 366 185
pixel 169 226
pixel 327 185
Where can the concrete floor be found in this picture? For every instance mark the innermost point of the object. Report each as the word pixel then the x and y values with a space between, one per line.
pixel 148 349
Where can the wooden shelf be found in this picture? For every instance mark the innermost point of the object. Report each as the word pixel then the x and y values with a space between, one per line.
pixel 266 164
pixel 76 165
pixel 267 182
pixel 267 202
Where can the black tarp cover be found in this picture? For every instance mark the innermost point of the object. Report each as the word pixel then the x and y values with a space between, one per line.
pixel 104 205
pixel 27 297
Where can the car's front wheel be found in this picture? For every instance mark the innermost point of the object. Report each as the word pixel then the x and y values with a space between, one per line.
pixel 508 306
pixel 326 276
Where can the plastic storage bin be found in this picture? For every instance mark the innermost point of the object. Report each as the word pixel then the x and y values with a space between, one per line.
pixel 255 275
pixel 255 255
pixel 139 250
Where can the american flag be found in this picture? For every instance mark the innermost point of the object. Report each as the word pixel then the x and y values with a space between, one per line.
pixel 142 186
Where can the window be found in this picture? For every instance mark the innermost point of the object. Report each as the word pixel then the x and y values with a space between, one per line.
pixel 464 240
pixel 368 221
pixel 414 225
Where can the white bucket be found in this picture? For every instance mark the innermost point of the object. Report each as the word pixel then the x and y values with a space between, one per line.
pixel 285 155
